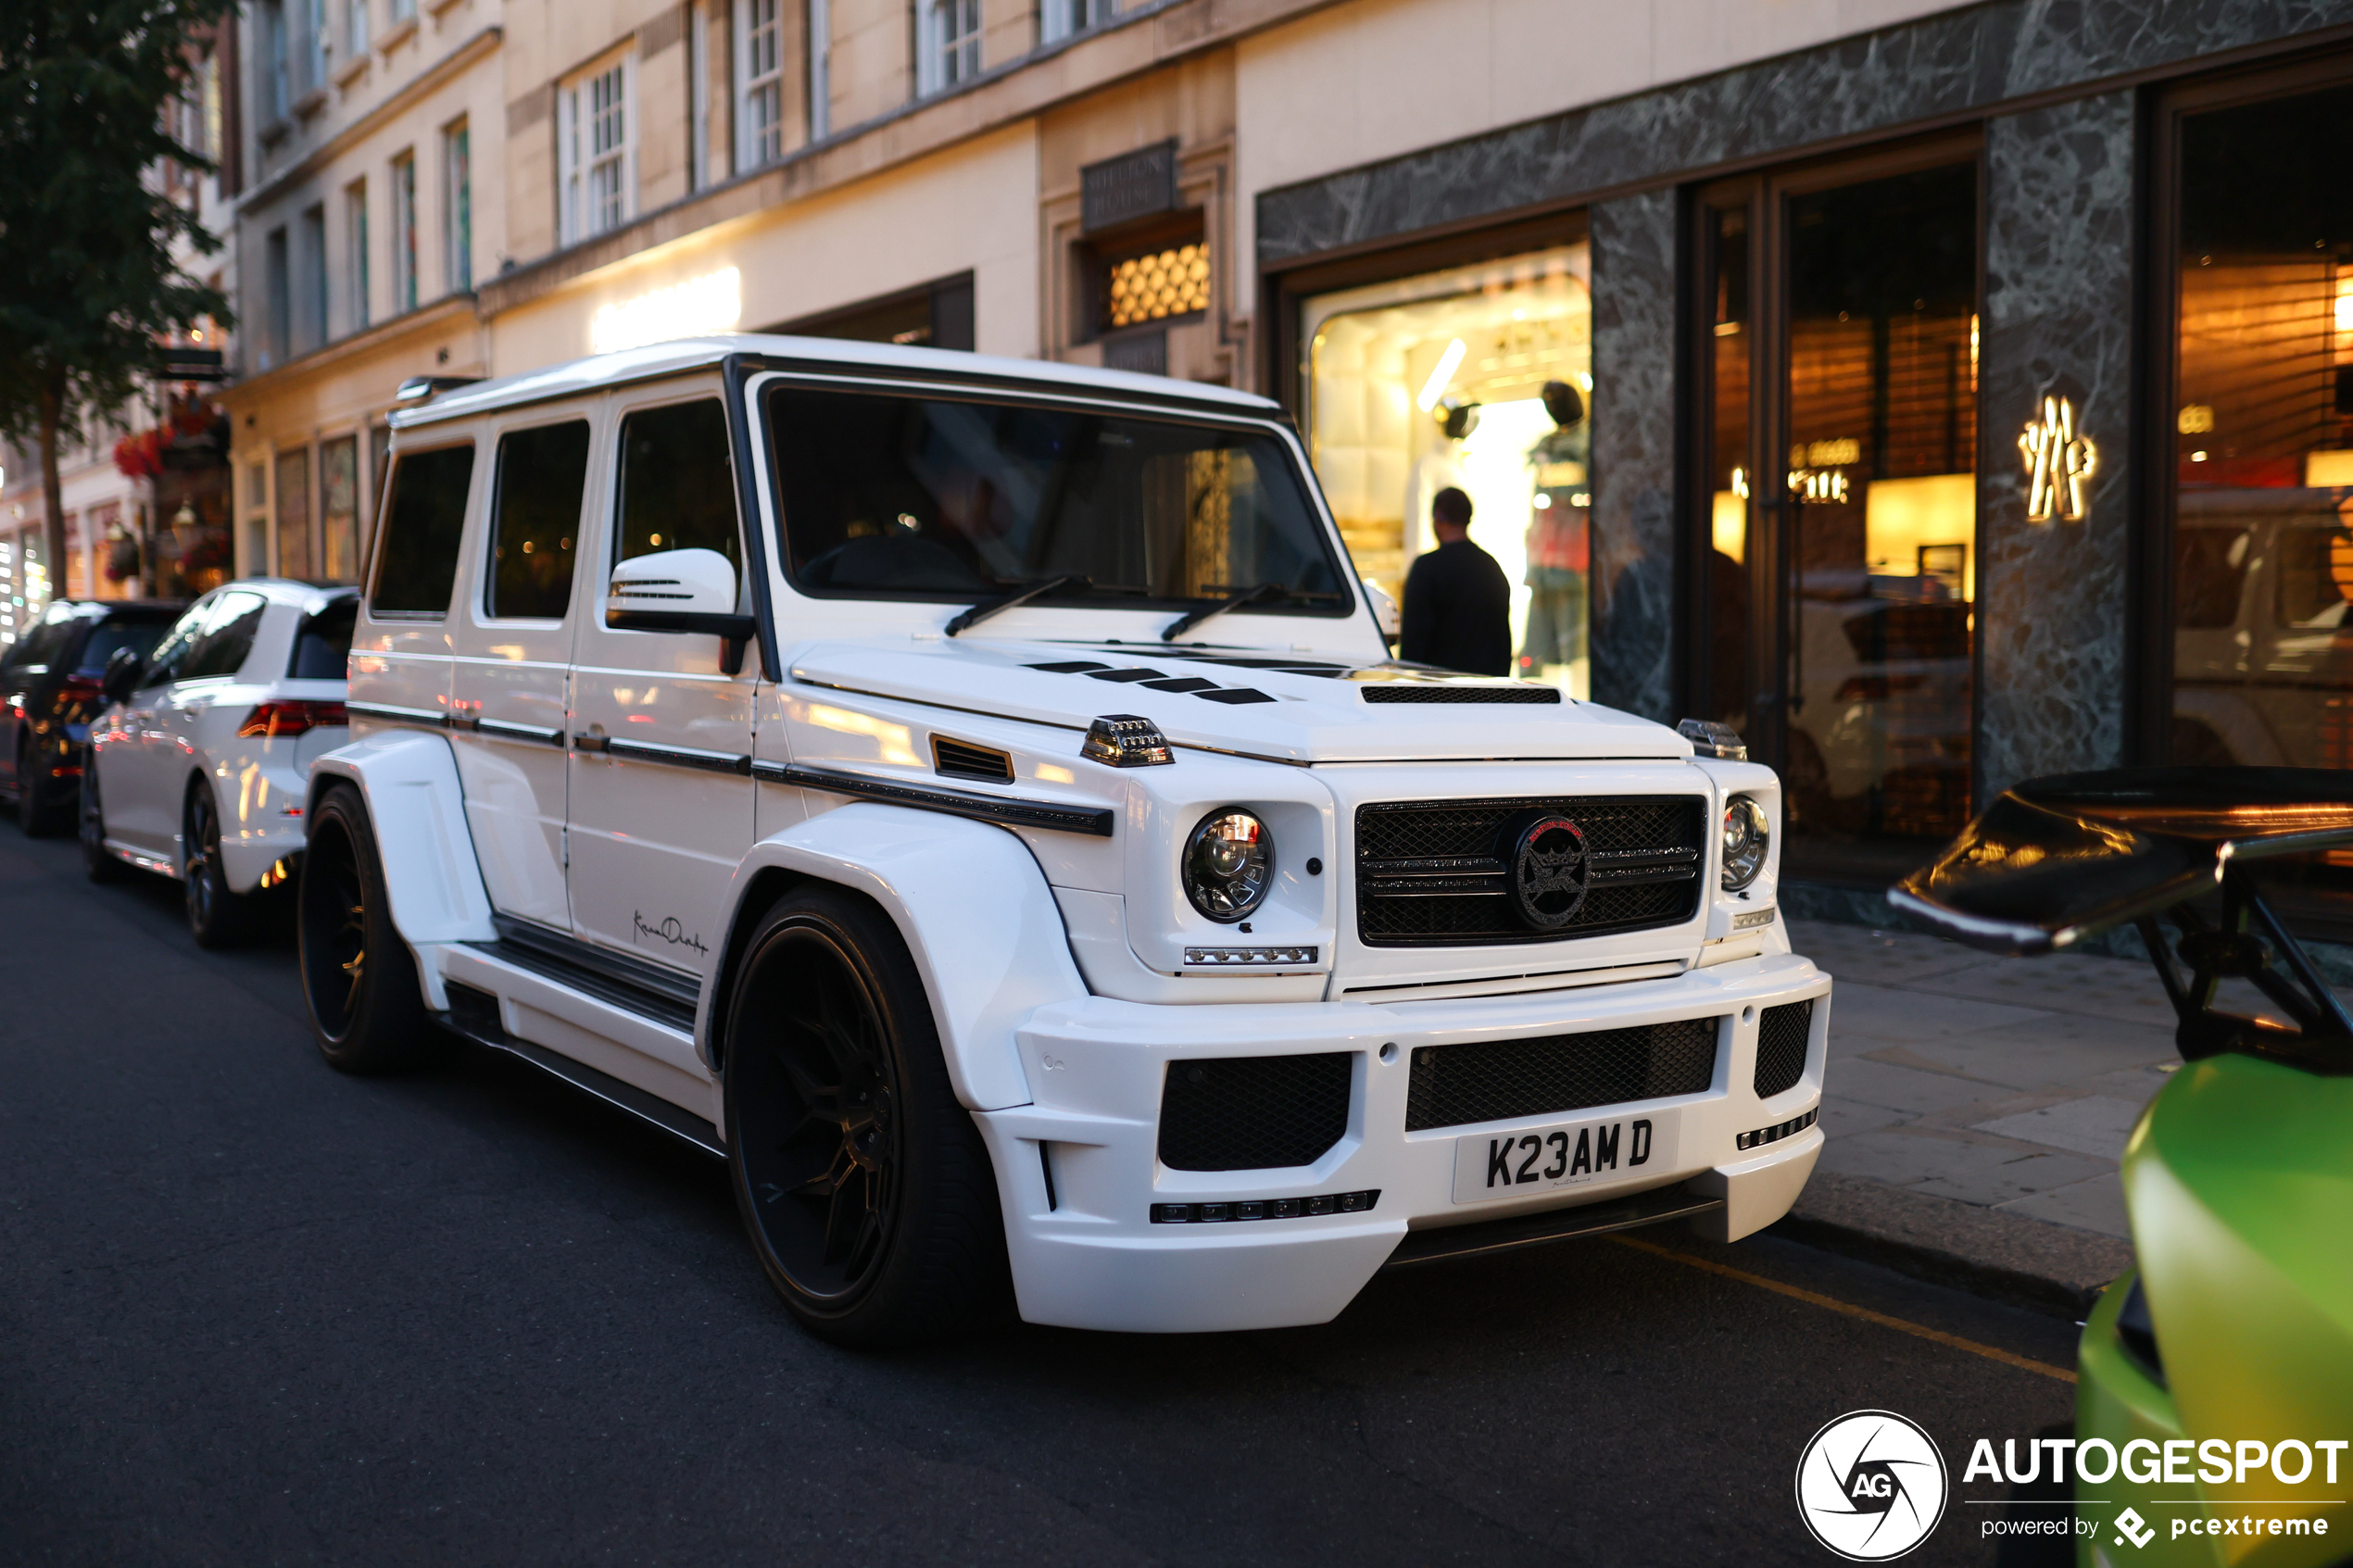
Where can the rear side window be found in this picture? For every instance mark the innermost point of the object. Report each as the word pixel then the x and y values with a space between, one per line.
pixel 42 645
pixel 541 475
pixel 418 563
pixel 111 637
pixel 322 643
pixel 678 482
pixel 220 648
pixel 174 652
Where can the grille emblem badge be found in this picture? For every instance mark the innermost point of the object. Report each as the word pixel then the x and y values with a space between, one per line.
pixel 1549 871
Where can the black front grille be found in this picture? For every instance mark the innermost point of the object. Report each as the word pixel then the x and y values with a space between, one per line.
pixel 1781 1046
pixel 1498 1080
pixel 1431 873
pixel 1252 1113
pixel 1401 691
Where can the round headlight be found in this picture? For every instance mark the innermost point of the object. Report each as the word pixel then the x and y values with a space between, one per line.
pixel 1230 864
pixel 1748 833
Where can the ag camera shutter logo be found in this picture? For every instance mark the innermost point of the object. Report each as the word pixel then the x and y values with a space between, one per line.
pixel 1871 1486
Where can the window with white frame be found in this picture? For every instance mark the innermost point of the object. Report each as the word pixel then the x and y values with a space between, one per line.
pixel 760 115
pixel 311 18
pixel 595 148
pixel 355 28
pixel 404 233
pixel 950 33
pixel 457 207
pixel 820 59
pixel 276 93
pixel 355 243
pixel 1060 18
pixel 401 11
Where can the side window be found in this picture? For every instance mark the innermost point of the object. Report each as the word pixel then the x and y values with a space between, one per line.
pixel 36 653
pixel 535 511
pixel 417 565
pixel 678 483
pixel 112 636
pixel 227 636
pixel 172 654
pixel 322 643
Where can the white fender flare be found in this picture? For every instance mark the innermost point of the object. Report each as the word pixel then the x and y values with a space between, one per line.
pixel 975 912
pixel 409 779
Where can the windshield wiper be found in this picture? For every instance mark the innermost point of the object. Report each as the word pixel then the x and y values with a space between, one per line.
pixel 988 608
pixel 1193 618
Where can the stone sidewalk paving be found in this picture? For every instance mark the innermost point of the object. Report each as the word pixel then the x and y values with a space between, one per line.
pixel 2009 1084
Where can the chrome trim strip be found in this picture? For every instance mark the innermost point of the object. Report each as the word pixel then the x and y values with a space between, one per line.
pixel 506 729
pixel 1010 812
pixel 677 756
pixel 391 714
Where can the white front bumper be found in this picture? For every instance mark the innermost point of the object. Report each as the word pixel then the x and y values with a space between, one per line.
pixel 1090 1256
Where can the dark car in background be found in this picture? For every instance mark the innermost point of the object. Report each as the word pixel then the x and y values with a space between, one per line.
pixel 49 679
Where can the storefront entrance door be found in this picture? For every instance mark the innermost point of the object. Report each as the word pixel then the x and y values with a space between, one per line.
pixel 1838 596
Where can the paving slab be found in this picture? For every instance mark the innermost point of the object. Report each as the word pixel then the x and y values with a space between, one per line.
pixel 2095 1124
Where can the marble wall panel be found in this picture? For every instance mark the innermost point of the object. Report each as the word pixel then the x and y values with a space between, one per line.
pixel 2054 613
pixel 1633 623
pixel 1956 62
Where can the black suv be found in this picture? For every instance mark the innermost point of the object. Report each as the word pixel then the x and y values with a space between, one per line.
pixel 49 679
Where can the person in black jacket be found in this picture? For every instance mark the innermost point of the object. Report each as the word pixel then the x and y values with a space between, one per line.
pixel 1458 604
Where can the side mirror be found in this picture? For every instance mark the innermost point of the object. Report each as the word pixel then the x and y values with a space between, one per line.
pixel 121 677
pixel 690 591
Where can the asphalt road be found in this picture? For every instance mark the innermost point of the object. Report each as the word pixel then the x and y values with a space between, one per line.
pixel 253 1311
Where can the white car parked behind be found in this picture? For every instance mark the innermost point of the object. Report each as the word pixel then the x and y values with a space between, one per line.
pixel 199 768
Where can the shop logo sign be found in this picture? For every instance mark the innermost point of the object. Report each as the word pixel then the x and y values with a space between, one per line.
pixel 2059 464
pixel 1871 1486
pixel 2131 1526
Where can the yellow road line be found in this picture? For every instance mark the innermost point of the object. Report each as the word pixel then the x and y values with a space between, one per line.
pixel 1922 1331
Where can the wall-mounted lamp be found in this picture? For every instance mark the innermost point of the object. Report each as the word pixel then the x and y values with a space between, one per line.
pixel 2059 464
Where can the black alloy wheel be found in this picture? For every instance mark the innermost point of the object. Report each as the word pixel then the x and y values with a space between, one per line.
pixel 218 917
pixel 358 977
pixel 35 805
pixel 866 1188
pixel 97 861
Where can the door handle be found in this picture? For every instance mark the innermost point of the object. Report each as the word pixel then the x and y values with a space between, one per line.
pixel 584 741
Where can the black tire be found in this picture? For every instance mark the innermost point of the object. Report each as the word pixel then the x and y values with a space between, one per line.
pixel 97 861
pixel 866 1189
pixel 218 916
pixel 357 976
pixel 36 799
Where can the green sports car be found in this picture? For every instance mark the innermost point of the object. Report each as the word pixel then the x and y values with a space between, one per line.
pixel 2214 1411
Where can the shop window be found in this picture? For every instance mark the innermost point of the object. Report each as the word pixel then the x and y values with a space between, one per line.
pixel 293 513
pixel 2261 434
pixel 1478 377
pixel 1834 608
pixel 542 474
pixel 1155 286
pixel 339 510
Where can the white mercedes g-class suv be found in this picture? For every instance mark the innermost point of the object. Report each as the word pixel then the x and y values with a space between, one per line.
pixel 975 798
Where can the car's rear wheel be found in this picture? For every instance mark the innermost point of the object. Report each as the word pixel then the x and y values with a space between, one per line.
pixel 218 917
pixel 97 861
pixel 866 1188
pixel 357 976
pixel 36 795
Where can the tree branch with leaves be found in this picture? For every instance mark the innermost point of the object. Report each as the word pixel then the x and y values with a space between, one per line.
pixel 90 277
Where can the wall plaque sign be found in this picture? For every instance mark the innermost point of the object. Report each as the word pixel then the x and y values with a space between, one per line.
pixel 2059 464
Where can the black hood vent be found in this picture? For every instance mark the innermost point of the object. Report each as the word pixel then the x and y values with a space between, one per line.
pixel 961 760
pixel 1408 691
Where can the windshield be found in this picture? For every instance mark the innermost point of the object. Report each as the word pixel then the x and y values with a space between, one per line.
pixel 905 497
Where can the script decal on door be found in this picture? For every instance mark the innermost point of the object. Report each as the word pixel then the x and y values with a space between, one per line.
pixel 668 929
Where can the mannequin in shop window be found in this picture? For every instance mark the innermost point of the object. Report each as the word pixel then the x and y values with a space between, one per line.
pixel 1437 468
pixel 1559 541
pixel 1458 604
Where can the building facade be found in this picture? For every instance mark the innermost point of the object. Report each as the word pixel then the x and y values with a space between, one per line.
pixel 1941 395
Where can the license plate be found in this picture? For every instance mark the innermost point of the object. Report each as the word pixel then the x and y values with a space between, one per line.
pixel 1535 1159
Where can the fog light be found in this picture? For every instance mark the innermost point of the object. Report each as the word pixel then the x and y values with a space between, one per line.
pixel 1775 1133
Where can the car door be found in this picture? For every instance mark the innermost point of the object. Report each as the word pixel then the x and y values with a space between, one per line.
pixel 510 681
pixel 660 795
pixel 131 764
pixel 207 678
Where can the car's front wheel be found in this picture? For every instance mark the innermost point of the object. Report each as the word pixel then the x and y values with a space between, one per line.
pixel 358 977
pixel 218 917
pixel 866 1188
